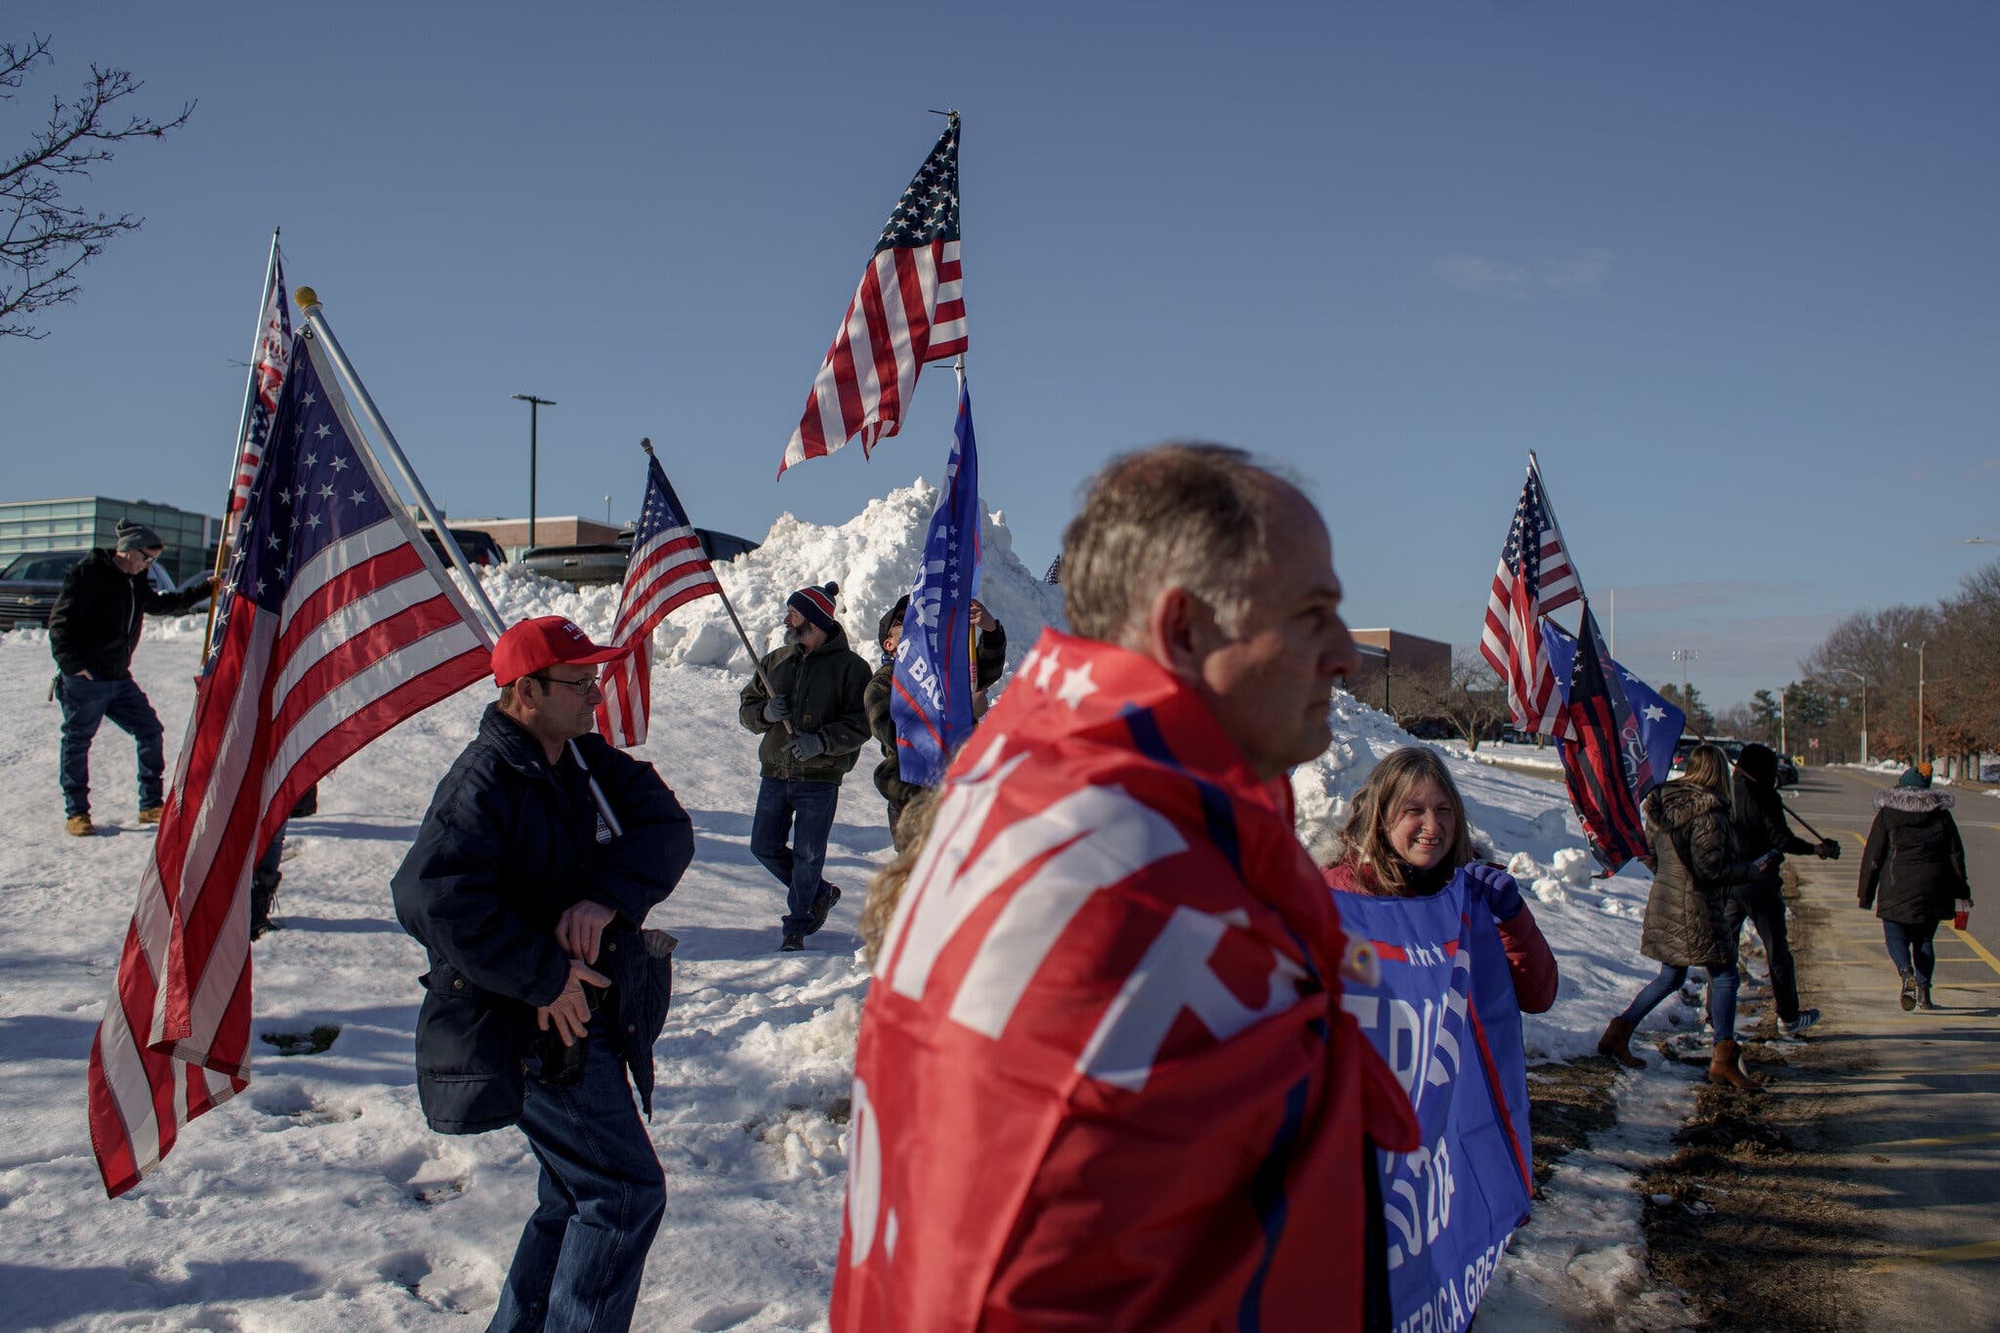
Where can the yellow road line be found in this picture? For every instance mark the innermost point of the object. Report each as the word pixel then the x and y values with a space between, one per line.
pixel 1985 954
pixel 1943 1141
pixel 1956 1254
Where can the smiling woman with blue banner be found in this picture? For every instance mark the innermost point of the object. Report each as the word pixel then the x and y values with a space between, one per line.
pixel 1459 958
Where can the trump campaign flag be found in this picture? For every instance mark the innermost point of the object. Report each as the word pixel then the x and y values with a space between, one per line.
pixel 931 699
pixel 1617 741
pixel 334 624
pixel 668 569
pixel 1443 1015
pixel 908 311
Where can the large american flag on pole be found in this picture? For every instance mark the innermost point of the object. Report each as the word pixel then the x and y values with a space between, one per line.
pixel 335 623
pixel 668 569
pixel 908 311
pixel 267 379
pixel 1535 577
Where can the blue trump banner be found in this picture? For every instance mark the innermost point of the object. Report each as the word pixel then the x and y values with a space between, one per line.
pixel 932 699
pixel 1444 1017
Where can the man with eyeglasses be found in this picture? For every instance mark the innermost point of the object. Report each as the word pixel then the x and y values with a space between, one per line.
pixel 93 630
pixel 542 852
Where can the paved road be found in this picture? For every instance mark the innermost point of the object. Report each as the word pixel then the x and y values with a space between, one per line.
pixel 1916 1137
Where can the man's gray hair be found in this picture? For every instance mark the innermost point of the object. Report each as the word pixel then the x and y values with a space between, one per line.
pixel 1194 516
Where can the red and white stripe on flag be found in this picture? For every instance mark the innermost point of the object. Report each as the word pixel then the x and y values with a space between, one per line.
pixel 267 380
pixel 908 311
pixel 1535 577
pixel 336 624
pixel 668 569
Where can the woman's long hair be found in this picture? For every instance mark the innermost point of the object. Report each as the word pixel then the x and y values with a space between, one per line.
pixel 1365 835
pixel 885 890
pixel 1707 766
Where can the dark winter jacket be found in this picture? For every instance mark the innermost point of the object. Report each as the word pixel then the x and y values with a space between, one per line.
pixel 1913 869
pixel 1696 863
pixel 510 842
pixel 94 625
pixel 989 663
pixel 827 690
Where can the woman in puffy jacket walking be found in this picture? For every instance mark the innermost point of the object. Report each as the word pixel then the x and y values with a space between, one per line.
pixel 1695 865
pixel 1913 873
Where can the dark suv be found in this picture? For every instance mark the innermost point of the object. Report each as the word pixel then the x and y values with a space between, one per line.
pixel 604 562
pixel 479 547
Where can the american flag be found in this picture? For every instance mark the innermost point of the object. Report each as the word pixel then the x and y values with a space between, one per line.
pixel 667 570
pixel 1535 577
pixel 334 624
pixel 909 310
pixel 267 379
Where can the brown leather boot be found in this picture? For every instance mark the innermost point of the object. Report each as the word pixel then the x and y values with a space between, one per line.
pixel 1726 1066
pixel 1617 1043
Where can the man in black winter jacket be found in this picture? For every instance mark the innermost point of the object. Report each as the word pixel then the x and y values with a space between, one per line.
pixel 989 661
pixel 93 630
pixel 540 856
pixel 814 721
pixel 1761 829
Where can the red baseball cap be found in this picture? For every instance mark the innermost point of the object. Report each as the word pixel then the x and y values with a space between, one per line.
pixel 542 642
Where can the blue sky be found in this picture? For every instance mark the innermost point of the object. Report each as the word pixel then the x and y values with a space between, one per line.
pixel 1729 269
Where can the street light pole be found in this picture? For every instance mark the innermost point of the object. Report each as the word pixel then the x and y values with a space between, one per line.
pixel 1684 656
pixel 535 406
pixel 1919 651
pixel 1861 676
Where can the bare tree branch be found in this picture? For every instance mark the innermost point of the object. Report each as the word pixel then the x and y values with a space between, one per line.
pixel 43 240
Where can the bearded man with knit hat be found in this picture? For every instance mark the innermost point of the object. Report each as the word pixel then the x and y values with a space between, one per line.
pixel 93 630
pixel 813 719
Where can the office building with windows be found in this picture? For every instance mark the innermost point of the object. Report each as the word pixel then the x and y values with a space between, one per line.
pixel 81 522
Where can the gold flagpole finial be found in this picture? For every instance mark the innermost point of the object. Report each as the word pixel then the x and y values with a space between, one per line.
pixel 306 297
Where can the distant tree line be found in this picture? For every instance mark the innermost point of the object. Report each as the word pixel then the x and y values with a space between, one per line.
pixel 1960 637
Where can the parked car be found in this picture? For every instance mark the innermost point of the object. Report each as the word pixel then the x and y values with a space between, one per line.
pixel 1788 772
pixel 479 547
pixel 30 582
pixel 604 562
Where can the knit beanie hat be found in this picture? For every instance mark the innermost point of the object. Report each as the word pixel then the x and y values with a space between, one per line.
pixel 816 605
pixel 891 619
pixel 1919 776
pixel 136 537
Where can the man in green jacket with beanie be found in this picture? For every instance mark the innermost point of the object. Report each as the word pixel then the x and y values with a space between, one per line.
pixel 814 724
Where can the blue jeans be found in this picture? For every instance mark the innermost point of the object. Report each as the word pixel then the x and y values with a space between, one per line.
pixel 803 813
pixel 1910 948
pixel 85 704
pixel 601 1196
pixel 1721 998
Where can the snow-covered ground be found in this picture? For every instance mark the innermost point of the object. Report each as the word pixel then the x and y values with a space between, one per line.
pixel 318 1199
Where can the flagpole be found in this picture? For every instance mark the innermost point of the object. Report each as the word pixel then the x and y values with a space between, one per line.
pixel 315 317
pixel 226 538
pixel 1549 508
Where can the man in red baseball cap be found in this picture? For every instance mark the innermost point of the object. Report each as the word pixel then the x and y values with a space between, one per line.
pixel 540 996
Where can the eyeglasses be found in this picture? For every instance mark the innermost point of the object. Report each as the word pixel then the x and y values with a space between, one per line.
pixel 582 685
pixel 150 557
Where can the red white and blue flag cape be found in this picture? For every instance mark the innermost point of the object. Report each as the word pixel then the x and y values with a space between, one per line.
pixel 668 569
pixel 1444 1017
pixel 931 699
pixel 1103 1078
pixel 336 622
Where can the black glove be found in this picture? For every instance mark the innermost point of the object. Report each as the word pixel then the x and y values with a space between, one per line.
pixel 1828 849
pixel 777 708
pixel 806 745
